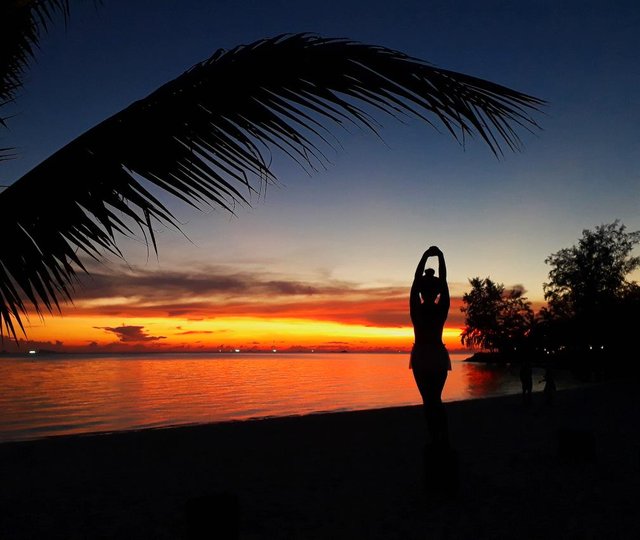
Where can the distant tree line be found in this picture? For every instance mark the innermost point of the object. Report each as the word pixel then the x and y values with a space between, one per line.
pixel 592 307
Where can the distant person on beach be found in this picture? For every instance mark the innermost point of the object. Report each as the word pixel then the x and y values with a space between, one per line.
pixel 526 378
pixel 549 386
pixel 429 306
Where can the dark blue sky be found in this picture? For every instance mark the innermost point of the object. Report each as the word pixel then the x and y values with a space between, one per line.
pixel 367 219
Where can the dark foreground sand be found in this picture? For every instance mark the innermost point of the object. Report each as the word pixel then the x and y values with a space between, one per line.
pixel 346 475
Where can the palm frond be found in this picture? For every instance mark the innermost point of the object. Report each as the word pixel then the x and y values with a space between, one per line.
pixel 205 136
pixel 22 24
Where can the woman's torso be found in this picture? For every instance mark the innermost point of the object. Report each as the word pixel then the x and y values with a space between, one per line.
pixel 428 324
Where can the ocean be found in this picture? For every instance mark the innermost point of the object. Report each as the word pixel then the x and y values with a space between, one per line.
pixel 70 394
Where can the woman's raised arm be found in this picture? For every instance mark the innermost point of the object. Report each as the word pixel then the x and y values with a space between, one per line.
pixel 414 297
pixel 445 300
pixel 421 265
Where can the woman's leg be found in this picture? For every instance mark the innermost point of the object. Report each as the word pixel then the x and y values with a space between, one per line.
pixel 430 385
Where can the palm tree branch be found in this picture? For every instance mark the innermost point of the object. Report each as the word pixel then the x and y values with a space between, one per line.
pixel 204 138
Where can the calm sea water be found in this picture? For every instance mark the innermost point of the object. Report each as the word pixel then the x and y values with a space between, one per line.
pixel 59 395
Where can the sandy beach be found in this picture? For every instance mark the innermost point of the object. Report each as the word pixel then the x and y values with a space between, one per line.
pixel 343 475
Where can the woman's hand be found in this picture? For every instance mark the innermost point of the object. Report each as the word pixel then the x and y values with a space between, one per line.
pixel 432 251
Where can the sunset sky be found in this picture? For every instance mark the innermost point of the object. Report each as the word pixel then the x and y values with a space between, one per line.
pixel 326 262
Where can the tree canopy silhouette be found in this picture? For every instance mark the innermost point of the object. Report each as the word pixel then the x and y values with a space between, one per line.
pixel 594 271
pixel 495 318
pixel 205 138
pixel 588 288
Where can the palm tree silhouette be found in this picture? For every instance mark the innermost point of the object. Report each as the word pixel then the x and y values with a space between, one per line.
pixel 205 138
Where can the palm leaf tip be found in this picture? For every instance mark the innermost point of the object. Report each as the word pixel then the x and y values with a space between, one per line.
pixel 206 137
pixel 22 23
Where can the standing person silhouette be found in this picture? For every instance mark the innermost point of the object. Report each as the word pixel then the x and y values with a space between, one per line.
pixel 429 306
pixel 526 378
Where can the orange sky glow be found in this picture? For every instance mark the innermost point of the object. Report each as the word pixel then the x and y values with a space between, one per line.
pixel 225 308
pixel 83 331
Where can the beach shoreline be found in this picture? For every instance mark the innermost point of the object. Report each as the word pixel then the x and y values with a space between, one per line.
pixel 354 474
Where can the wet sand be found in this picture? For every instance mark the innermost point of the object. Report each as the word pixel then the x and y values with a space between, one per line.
pixel 343 475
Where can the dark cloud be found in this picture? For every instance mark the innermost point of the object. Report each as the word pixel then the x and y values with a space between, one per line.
pixel 129 334
pixel 207 281
pixel 217 291
pixel 191 332
pixel 517 288
pixel 289 288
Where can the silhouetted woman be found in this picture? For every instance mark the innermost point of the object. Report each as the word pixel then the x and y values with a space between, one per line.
pixel 429 307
